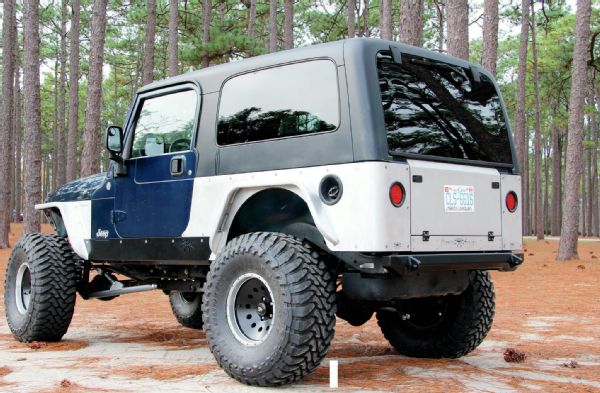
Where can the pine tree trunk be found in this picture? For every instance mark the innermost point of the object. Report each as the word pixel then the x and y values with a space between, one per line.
pixel 595 196
pixel 351 17
pixel 7 127
pixel 206 13
pixel 567 248
pixel 173 32
pixel 441 21
pixel 490 35
pixel 410 30
pixel 386 20
pixel 148 68
pixel 556 181
pixel 90 162
pixel 546 214
pixel 520 121
pixel 272 26
pixel 18 137
pixel 288 24
pixel 365 17
pixel 61 174
pixel 31 114
pixel 73 92
pixel 457 24
pixel 539 218
pixel 55 127
pixel 590 162
pixel 251 18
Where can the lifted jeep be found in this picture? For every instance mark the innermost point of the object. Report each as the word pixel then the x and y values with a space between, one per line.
pixel 267 196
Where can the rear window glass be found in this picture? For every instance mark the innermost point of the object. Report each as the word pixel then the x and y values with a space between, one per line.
pixel 438 109
pixel 290 100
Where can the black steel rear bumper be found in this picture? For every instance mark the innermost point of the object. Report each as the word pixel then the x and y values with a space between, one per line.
pixel 401 264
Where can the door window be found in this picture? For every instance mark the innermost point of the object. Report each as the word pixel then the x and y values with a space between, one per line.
pixel 165 124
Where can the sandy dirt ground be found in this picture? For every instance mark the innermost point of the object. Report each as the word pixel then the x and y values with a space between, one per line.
pixel 549 310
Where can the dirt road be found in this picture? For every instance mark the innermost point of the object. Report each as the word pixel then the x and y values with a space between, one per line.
pixel 549 310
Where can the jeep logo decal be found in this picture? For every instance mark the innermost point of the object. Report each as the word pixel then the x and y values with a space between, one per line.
pixel 102 233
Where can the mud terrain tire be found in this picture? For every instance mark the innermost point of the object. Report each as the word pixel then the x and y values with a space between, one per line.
pixel 40 288
pixel 279 270
pixel 187 308
pixel 464 322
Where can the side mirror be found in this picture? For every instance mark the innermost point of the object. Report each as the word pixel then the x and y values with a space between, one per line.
pixel 114 140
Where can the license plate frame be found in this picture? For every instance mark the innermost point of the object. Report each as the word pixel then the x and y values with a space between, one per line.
pixel 459 198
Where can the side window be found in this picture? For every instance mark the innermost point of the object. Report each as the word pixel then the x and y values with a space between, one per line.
pixel 295 99
pixel 165 124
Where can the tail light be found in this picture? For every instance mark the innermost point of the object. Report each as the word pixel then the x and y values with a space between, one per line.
pixel 397 194
pixel 512 201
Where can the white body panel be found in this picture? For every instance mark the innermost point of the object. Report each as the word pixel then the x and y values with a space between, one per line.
pixel 77 217
pixel 364 220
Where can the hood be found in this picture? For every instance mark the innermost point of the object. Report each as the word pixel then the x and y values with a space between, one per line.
pixel 78 190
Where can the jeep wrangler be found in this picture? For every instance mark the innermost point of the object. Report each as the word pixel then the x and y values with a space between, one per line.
pixel 269 195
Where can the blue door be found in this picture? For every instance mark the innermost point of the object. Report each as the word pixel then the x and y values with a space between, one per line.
pixel 153 198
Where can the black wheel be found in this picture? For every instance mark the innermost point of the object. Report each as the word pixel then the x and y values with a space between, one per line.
pixel 40 288
pixel 442 327
pixel 269 309
pixel 187 308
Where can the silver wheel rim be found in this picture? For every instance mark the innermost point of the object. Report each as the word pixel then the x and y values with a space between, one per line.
pixel 23 288
pixel 250 309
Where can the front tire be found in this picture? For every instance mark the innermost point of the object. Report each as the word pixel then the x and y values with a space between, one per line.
pixel 442 327
pixel 40 288
pixel 269 309
pixel 187 308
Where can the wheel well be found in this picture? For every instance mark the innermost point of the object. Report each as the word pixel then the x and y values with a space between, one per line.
pixel 55 219
pixel 275 210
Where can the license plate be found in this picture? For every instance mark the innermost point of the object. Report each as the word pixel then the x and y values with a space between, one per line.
pixel 459 199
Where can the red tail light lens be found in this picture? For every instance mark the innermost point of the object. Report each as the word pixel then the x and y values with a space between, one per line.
pixel 397 194
pixel 511 201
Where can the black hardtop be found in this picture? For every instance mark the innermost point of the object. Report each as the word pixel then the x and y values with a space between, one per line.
pixel 358 51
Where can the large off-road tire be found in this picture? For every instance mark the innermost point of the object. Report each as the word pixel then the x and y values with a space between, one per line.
pixel 40 288
pixel 281 280
pixel 442 327
pixel 187 308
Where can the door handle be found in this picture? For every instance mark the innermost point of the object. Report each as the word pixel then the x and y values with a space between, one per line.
pixel 177 165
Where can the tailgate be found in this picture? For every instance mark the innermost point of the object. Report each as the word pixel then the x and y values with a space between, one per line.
pixel 455 202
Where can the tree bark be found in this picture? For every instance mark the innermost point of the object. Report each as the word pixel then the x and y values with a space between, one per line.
pixel 272 26
pixel 31 114
pixel 18 136
pixel 490 35
pixel 590 162
pixel 567 248
pixel 441 20
pixel 173 32
pixel 457 24
pixel 596 119
pixel 7 128
pixel 206 13
pixel 251 18
pixel 61 174
pixel 55 127
pixel 288 24
pixel 546 214
pixel 556 180
pixel 351 16
pixel 90 162
pixel 520 121
pixel 539 213
pixel 73 91
pixel 385 23
pixel 365 17
pixel 410 30
pixel 148 68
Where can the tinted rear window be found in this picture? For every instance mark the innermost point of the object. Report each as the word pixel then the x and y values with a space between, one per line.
pixel 438 109
pixel 290 100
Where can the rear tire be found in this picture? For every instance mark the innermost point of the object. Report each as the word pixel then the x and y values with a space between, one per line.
pixel 442 327
pixel 187 308
pixel 40 288
pixel 269 309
